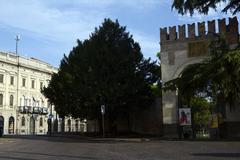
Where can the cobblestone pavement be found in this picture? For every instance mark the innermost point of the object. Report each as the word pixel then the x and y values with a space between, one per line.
pixel 59 148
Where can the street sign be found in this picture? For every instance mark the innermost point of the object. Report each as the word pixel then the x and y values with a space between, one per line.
pixel 103 109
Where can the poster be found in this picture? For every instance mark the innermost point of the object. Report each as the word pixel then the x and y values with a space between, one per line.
pixel 215 120
pixel 185 116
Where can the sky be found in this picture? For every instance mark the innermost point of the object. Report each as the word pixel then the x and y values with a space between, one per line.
pixel 50 28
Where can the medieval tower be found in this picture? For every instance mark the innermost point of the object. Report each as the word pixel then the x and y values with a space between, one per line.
pixel 187 44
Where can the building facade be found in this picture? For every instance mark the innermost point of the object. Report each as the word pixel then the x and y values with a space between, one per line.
pixel 23 108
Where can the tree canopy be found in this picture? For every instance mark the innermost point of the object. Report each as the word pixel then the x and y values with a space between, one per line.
pixel 201 110
pixel 203 6
pixel 106 69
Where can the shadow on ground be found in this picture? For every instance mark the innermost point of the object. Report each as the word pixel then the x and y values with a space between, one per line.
pixel 226 155
pixel 86 139
pixel 41 154
pixel 69 139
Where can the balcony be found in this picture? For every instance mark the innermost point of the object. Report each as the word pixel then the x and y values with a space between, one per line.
pixel 33 110
pixel 44 111
pixel 25 109
pixel 36 110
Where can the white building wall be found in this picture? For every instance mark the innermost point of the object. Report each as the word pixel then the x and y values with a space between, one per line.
pixel 30 69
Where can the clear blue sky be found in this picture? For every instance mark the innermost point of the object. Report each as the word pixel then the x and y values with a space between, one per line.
pixel 50 28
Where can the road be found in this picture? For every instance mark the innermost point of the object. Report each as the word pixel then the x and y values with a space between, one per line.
pixel 59 148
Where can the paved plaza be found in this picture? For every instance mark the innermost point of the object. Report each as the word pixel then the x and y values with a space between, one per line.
pixel 59 148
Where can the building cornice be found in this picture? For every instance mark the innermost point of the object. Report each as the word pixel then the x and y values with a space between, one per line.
pixel 28 63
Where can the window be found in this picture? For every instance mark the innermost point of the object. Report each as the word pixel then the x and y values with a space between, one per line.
pixel 12 80
pixel 33 83
pixel 24 82
pixel 41 122
pixel 41 85
pixel 11 100
pixel 1 78
pixel 23 121
pixel 1 99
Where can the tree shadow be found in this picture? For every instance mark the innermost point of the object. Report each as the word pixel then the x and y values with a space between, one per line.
pixel 64 139
pixel 44 154
pixel 227 155
pixel 15 158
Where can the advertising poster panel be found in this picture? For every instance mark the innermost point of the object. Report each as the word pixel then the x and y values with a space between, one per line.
pixel 185 116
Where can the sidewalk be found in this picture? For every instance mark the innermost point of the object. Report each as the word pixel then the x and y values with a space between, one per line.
pixel 116 139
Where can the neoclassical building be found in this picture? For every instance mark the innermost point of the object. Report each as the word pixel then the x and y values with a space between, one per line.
pixel 23 108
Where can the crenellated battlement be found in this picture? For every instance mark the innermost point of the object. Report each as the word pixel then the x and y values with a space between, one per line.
pixel 201 30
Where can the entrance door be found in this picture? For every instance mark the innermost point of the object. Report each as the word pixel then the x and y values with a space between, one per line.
pixel 32 125
pixel 55 127
pixel 69 125
pixel 76 125
pixel 1 125
pixel 11 125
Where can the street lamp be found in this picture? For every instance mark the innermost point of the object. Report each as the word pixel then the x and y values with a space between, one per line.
pixel 50 120
pixel 17 39
pixel 103 112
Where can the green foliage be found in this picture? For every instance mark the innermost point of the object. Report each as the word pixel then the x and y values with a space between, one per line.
pixel 201 109
pixel 156 90
pixel 190 82
pixel 203 6
pixel 159 55
pixel 108 68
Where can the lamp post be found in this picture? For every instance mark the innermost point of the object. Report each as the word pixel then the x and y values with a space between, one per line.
pixel 103 112
pixel 50 121
pixel 17 39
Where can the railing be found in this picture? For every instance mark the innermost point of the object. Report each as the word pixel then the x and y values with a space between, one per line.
pixel 33 110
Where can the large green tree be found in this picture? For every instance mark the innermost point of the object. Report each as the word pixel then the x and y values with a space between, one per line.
pixel 201 110
pixel 203 6
pixel 106 69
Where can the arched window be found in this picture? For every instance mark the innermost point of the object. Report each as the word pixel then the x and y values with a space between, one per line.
pixel 11 125
pixel 41 122
pixel 23 121
pixel 1 99
pixel 11 100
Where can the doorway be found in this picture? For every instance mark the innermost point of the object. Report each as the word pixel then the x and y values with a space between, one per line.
pixel 11 125
pixel 32 125
pixel 1 125
pixel 55 126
